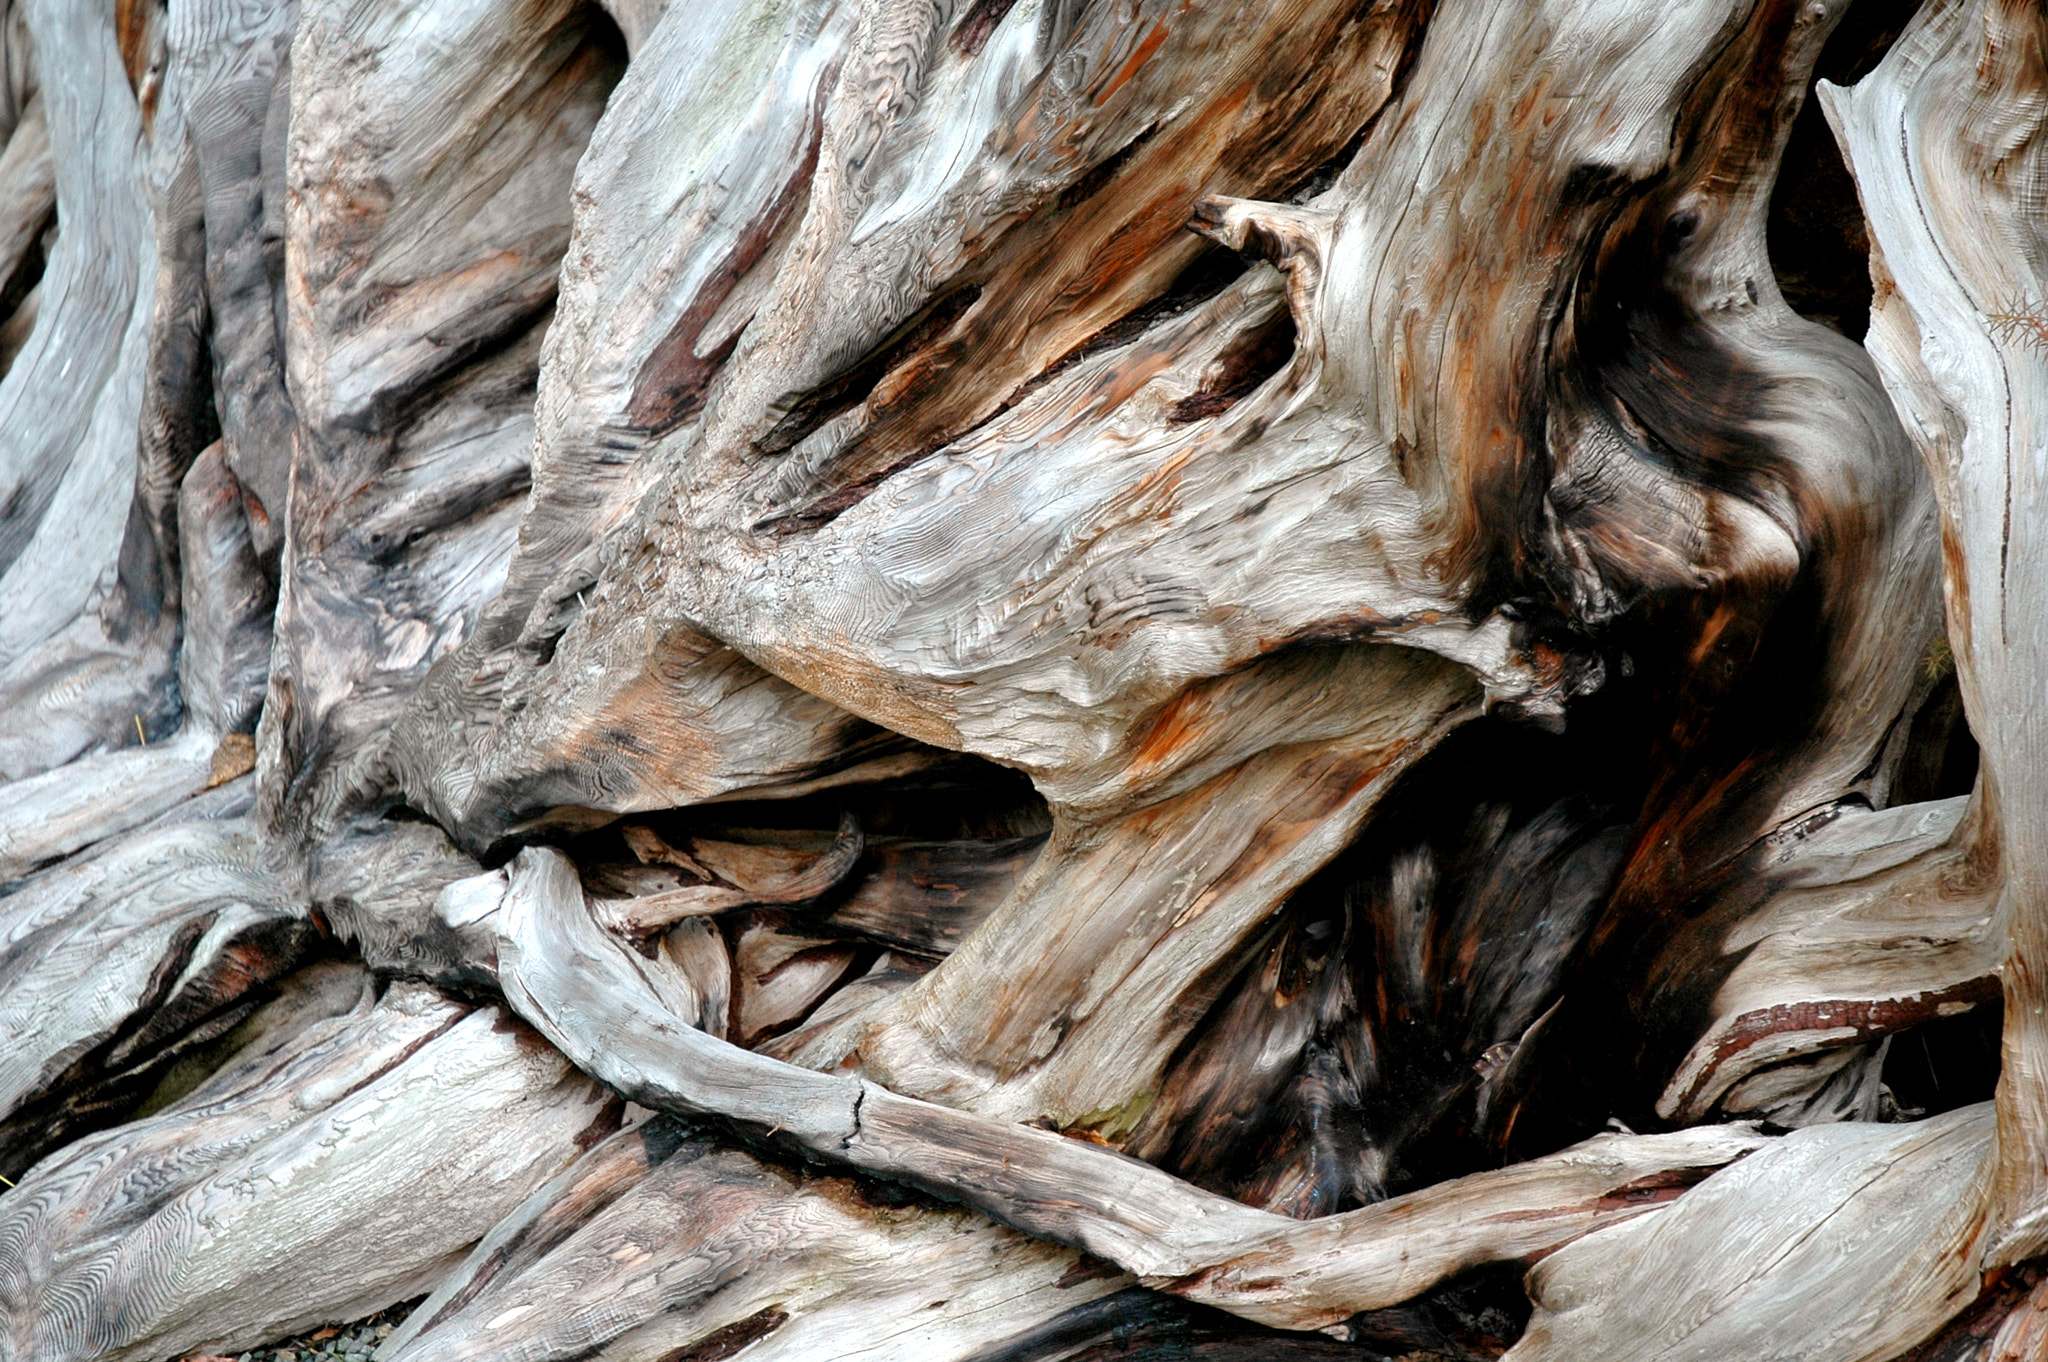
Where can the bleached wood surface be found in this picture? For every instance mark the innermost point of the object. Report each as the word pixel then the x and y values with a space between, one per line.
pixel 1842 1243
pixel 1947 143
pixel 288 1190
pixel 626 1022
pixel 973 591
pixel 1878 918
pixel 675 1258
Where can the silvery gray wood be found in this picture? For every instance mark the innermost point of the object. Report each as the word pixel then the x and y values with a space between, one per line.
pixel 1946 143
pixel 870 594
pixel 288 1190
pixel 425 212
pixel 532 417
pixel 186 558
pixel 31 183
pixel 711 1247
pixel 113 963
pixel 83 644
pixel 618 1017
pixel 1842 1242
pixel 1878 917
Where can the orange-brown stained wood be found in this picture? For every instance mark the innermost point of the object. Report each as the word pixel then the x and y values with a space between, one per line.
pixel 1116 237
pixel 135 31
pixel 1151 44
pixel 1170 732
pixel 673 380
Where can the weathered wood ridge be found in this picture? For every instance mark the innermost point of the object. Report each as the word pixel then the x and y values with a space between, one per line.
pixel 1024 679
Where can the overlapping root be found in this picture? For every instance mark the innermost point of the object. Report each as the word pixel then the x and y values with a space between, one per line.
pixel 564 426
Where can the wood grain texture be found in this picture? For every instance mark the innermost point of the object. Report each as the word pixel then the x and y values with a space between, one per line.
pixel 609 1013
pixel 704 151
pixel 111 962
pixel 186 558
pixel 821 518
pixel 1878 921
pixel 556 1210
pixel 426 210
pixel 30 178
pixel 1847 1241
pixel 287 1190
pixel 232 66
pixel 84 645
pixel 1832 562
pixel 1946 143
pixel 1072 997
pixel 1226 637
pixel 711 1249
pixel 1405 1002
pixel 224 609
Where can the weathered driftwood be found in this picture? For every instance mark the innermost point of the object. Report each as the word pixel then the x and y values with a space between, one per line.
pixel 85 645
pixel 1946 141
pixel 727 876
pixel 712 1249
pixel 288 1189
pixel 223 658
pixel 424 215
pixel 921 895
pixel 926 897
pixel 179 555
pixel 608 1011
pixel 113 966
pixel 2007 1323
pixel 556 1210
pixel 1840 1242
pixel 1879 921
pixel 782 512
pixel 680 449
pixel 1096 1081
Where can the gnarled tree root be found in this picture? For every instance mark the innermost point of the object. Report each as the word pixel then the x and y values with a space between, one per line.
pixel 604 1006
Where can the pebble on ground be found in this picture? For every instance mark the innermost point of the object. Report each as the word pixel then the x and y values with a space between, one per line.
pixel 356 1342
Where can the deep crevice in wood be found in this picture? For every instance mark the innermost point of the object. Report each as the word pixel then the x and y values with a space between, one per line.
pixel 1403 979
pixel 1819 242
pixel 1943 1064
pixel 1207 567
